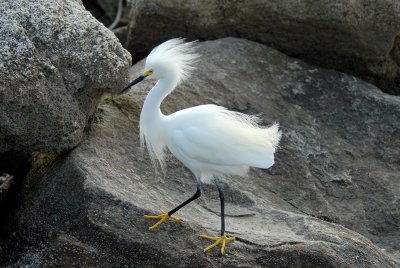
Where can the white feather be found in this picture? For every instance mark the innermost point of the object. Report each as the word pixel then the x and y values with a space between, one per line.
pixel 208 139
pixel 175 56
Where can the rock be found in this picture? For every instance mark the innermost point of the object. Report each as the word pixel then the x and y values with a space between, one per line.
pixel 56 61
pixel 359 37
pixel 121 32
pixel 106 10
pixel 337 165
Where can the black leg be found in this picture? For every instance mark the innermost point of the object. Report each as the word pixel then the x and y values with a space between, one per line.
pixel 221 198
pixel 194 197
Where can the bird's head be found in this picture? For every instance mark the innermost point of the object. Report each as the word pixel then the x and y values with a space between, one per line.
pixel 172 59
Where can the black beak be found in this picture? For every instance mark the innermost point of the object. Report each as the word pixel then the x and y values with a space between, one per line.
pixel 134 82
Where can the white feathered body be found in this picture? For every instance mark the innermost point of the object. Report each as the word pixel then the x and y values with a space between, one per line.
pixel 208 139
pixel 211 140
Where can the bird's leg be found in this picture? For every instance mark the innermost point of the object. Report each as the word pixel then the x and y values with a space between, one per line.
pixel 222 201
pixel 196 195
pixel 164 216
pixel 223 239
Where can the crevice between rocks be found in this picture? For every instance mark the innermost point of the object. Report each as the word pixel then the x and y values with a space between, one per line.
pixel 14 166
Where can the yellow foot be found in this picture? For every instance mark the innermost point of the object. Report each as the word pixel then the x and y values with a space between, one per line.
pixel 163 216
pixel 218 240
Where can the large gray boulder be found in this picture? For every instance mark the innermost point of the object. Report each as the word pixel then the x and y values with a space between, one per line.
pixel 360 37
pixel 337 165
pixel 56 60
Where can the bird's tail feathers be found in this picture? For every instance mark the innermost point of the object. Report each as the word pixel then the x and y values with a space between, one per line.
pixel 248 127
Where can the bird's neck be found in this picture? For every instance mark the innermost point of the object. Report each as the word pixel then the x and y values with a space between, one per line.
pixel 157 94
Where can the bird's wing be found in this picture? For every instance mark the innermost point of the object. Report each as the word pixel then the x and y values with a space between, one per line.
pixel 219 143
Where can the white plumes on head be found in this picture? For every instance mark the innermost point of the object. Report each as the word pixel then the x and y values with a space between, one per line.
pixel 175 55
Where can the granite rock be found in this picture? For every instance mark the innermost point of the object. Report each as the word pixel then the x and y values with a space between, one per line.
pixel 330 200
pixel 358 37
pixel 56 61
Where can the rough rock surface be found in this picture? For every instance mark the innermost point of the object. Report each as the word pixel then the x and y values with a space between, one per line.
pixel 338 161
pixel 55 62
pixel 360 37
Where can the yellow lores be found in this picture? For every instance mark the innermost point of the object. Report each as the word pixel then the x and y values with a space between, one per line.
pixel 149 72
pixel 208 139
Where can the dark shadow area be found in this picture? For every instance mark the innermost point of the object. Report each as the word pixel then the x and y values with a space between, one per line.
pixel 15 165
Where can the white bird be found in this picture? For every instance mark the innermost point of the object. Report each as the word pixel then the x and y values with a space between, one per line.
pixel 208 139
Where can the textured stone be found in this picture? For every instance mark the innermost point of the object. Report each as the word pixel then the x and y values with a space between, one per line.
pixel 337 165
pixel 360 37
pixel 55 62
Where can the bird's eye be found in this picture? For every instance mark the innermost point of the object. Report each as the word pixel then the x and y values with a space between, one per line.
pixel 149 72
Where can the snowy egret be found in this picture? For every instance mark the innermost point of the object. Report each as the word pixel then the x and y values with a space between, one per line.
pixel 208 139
